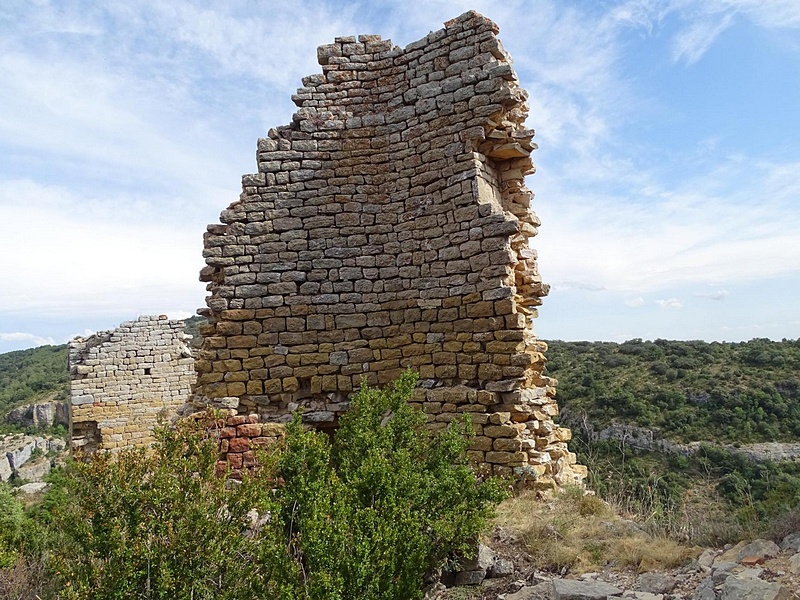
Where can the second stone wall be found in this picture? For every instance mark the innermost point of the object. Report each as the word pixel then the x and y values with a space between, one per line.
pixel 124 380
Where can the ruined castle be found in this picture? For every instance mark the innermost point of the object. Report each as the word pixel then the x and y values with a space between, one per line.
pixel 388 227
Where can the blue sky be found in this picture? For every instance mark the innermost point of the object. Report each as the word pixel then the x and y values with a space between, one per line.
pixel 668 178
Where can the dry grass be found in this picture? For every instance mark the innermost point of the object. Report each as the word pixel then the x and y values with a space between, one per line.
pixel 786 524
pixel 572 532
pixel 26 580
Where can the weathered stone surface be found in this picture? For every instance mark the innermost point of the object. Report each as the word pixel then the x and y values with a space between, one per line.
pixel 639 595
pixel 35 487
pixel 722 570
pixel 706 558
pixel 45 414
pixel 482 561
pixel 705 591
pixel 791 542
pixel 388 228
pixel 540 591
pixel 5 468
pixel 731 555
pixel 794 564
pixel 470 577
pixel 759 549
pixel 34 470
pixel 16 452
pixel 739 588
pixel 571 589
pixel 656 583
pixel 124 380
pixel 501 567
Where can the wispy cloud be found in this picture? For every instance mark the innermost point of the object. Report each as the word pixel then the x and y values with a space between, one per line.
pixel 75 260
pixel 773 14
pixel 667 237
pixel 717 295
pixel 634 302
pixel 670 303
pixel 116 126
pixel 28 339
pixel 564 286
pixel 142 116
pixel 692 42
pixel 701 23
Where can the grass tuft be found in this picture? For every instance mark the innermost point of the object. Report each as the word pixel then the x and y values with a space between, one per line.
pixel 576 533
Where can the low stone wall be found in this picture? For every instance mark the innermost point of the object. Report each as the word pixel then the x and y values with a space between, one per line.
pixel 124 380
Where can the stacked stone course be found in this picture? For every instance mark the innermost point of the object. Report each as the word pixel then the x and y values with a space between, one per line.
pixel 123 380
pixel 388 227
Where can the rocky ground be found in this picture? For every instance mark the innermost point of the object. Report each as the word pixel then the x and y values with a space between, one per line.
pixel 758 570
pixel 26 458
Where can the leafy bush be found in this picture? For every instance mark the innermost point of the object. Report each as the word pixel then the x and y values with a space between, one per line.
pixel 161 524
pixel 12 527
pixel 362 517
pixel 385 503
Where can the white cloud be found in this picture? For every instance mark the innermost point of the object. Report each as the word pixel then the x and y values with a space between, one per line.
pixel 118 127
pixel 271 46
pixel 775 14
pixel 28 338
pixel 86 333
pixel 717 295
pixel 692 42
pixel 141 117
pixel 564 286
pixel 700 23
pixel 74 260
pixel 708 230
pixel 179 314
pixel 670 303
pixel 634 302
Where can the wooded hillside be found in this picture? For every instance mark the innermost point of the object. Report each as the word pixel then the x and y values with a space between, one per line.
pixel 26 375
pixel 687 390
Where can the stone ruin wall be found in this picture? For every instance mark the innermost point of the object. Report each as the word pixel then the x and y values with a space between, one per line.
pixel 123 380
pixel 388 227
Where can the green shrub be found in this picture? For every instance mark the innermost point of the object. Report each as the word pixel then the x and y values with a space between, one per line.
pixel 161 524
pixel 385 503
pixel 362 517
pixel 12 527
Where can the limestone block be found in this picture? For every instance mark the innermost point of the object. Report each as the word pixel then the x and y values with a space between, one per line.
pixel 5 468
pixel 34 470
pixel 481 443
pixel 507 445
pixel 501 431
pixel 571 589
pixel 507 458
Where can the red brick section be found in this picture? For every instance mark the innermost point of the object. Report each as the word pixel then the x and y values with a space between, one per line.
pixel 239 437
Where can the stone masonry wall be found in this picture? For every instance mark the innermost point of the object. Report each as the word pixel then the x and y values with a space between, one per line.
pixel 388 227
pixel 122 380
